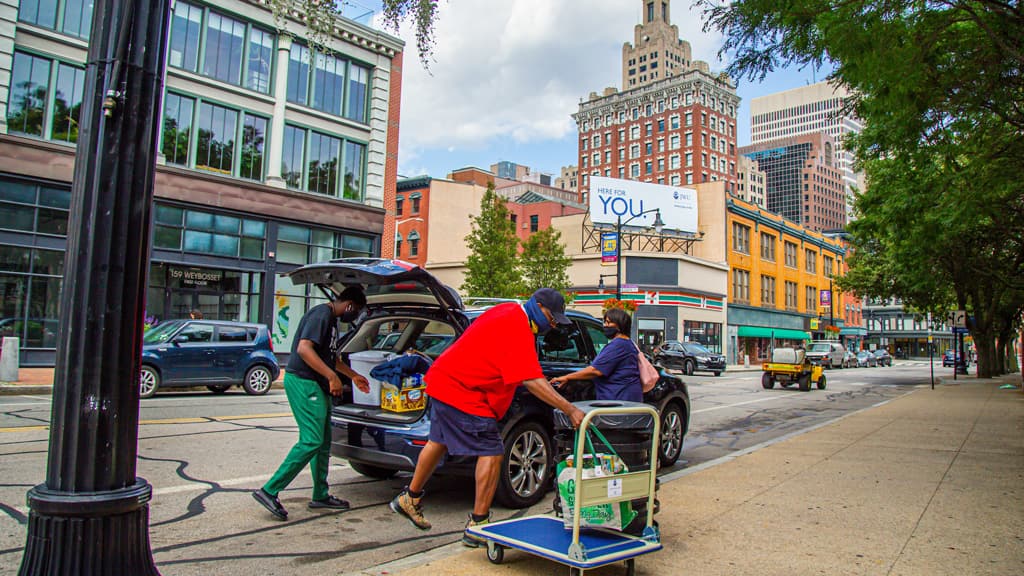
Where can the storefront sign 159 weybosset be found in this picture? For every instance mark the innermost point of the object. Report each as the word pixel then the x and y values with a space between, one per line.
pixel 196 276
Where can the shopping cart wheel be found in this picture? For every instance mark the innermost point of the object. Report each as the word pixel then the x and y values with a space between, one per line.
pixel 630 567
pixel 495 552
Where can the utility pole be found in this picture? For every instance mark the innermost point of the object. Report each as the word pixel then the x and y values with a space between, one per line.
pixel 91 516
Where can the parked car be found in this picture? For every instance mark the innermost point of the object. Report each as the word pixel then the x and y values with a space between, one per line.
pixel 828 354
pixel 850 359
pixel 883 357
pixel 951 357
pixel 866 359
pixel 217 354
pixel 379 443
pixel 689 357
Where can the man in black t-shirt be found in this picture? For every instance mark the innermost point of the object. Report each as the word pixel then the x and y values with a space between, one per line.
pixel 312 374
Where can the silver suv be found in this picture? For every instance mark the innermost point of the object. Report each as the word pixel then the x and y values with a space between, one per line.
pixel 828 354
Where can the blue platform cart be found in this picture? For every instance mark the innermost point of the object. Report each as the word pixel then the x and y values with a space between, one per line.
pixel 586 548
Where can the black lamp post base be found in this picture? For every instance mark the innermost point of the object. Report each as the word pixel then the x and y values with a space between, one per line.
pixel 89 533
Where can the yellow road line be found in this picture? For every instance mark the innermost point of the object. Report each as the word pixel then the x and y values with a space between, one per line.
pixel 193 420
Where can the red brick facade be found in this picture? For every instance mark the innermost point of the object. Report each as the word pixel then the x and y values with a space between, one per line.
pixel 387 241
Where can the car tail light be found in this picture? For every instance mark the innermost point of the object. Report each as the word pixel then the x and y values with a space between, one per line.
pixel 418 442
pixel 271 342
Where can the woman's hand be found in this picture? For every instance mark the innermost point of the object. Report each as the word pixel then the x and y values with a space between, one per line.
pixel 557 382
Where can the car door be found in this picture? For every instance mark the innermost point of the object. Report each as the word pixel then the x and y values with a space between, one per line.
pixel 232 347
pixel 190 353
pixel 564 351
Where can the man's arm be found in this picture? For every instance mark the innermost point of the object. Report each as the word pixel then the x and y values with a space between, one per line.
pixel 358 379
pixel 308 354
pixel 540 388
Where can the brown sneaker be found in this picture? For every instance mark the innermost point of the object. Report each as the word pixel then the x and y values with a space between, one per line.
pixel 410 508
pixel 472 540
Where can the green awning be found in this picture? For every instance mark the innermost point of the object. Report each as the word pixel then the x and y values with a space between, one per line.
pixel 779 333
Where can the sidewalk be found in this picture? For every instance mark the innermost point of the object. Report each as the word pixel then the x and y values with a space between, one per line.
pixel 929 483
pixel 40 381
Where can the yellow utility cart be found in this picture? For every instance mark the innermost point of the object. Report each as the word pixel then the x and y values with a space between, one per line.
pixel 791 366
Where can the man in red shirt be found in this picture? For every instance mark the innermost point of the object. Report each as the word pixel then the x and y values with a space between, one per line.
pixel 471 386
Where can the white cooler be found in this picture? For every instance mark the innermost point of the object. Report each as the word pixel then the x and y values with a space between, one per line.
pixel 362 363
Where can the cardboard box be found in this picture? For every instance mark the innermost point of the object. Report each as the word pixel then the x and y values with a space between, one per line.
pixel 394 399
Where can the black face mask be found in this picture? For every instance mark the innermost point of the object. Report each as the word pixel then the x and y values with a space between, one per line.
pixel 610 331
pixel 349 315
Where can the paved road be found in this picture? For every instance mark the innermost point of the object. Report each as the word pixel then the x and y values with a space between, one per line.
pixel 204 453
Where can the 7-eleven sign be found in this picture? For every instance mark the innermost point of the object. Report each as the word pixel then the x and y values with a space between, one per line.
pixel 652 297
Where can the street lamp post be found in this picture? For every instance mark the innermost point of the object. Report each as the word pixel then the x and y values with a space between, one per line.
pixel 658 226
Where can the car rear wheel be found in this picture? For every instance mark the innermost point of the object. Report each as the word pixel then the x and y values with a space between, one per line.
pixel 767 382
pixel 218 388
pixel 149 381
pixel 526 470
pixel 257 381
pixel 373 471
pixel 673 426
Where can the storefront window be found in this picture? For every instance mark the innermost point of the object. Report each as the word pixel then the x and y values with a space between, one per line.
pixel 30 284
pixel 208 233
pixel 707 333
pixel 29 207
pixel 176 290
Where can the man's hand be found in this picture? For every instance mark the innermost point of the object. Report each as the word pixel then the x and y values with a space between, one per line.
pixel 576 416
pixel 360 381
pixel 335 384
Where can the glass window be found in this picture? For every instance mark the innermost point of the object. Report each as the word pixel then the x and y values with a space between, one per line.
pixel 354 246
pixel 39 12
pixel 329 84
pixel 254 133
pixel 294 152
pixel 78 17
pixel 358 82
pixel 216 138
pixel 323 163
pixel 67 103
pixel 177 127
pixel 225 40
pixel 260 63
pixel 298 74
pixel 186 26
pixel 355 160
pixel 30 81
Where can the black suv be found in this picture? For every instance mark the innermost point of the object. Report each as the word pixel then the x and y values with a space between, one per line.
pixel 404 298
pixel 689 357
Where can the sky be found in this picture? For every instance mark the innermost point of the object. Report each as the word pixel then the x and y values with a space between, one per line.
pixel 506 76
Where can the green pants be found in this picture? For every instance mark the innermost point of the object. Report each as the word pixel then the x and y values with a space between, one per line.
pixel 312 410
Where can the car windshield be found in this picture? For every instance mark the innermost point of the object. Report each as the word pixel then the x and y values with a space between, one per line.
pixel 160 332
pixel 880 352
pixel 862 354
pixel 697 348
pixel 820 348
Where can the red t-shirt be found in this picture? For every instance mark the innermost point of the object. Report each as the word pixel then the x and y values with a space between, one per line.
pixel 479 373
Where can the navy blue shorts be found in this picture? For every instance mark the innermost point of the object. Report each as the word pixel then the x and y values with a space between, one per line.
pixel 464 434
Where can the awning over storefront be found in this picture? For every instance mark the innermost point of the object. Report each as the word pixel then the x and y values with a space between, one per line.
pixel 853 331
pixel 780 333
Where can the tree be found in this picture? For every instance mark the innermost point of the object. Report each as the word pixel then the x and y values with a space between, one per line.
pixel 491 269
pixel 937 86
pixel 543 262
pixel 319 15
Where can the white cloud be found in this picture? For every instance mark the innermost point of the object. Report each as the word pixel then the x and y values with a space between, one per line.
pixel 517 69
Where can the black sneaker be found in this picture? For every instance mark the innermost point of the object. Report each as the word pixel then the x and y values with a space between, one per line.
pixel 330 503
pixel 271 503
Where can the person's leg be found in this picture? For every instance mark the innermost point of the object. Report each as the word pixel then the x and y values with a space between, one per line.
pixel 321 458
pixel 429 457
pixel 487 470
pixel 305 398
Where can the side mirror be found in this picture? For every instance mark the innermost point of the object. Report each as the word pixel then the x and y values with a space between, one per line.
pixel 179 339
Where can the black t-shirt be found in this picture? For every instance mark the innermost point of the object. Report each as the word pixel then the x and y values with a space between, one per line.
pixel 321 328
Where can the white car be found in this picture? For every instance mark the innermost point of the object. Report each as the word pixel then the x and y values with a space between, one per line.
pixel 828 354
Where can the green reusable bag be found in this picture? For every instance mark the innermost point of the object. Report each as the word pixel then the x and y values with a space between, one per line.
pixel 614 516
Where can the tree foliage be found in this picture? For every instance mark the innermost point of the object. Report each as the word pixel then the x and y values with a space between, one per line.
pixel 491 269
pixel 543 262
pixel 938 87
pixel 319 15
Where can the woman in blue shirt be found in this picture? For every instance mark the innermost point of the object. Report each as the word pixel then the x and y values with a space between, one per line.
pixel 615 371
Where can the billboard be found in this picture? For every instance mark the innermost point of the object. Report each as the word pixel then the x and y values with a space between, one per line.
pixel 612 198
